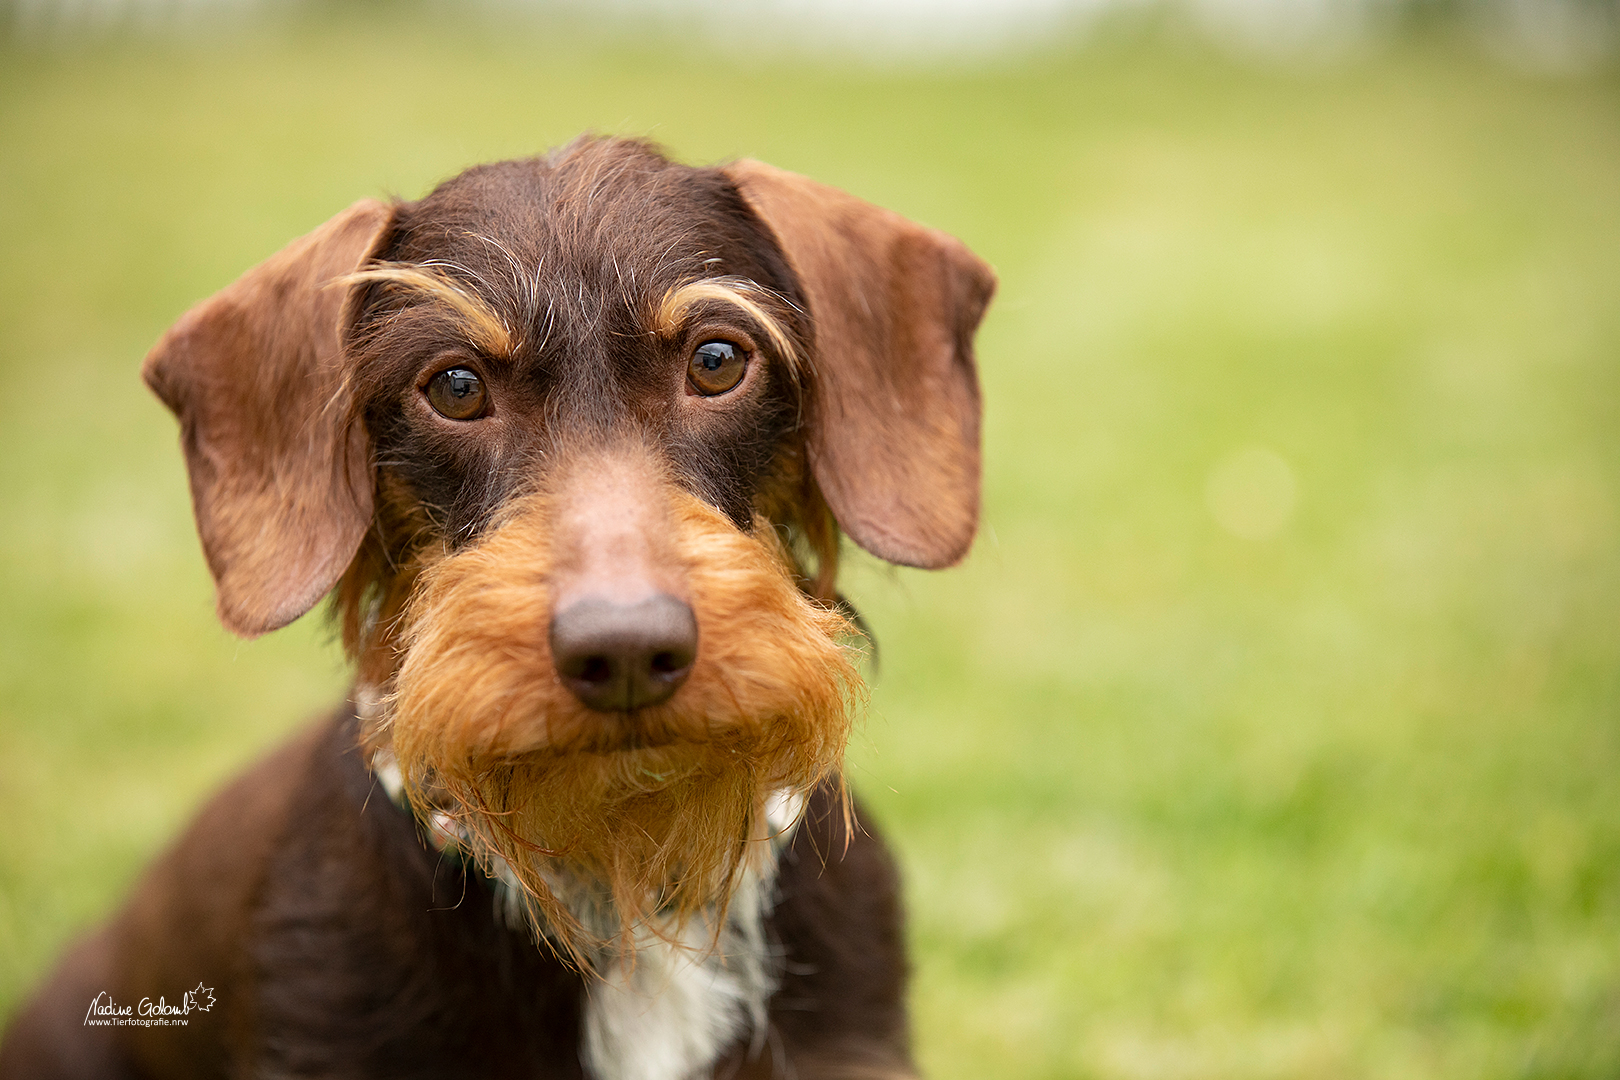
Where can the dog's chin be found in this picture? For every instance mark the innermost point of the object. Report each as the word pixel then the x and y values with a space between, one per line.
pixel 651 834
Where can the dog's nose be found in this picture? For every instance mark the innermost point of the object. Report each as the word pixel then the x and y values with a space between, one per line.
pixel 618 657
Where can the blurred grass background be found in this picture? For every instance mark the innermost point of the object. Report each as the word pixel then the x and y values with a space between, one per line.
pixel 1273 729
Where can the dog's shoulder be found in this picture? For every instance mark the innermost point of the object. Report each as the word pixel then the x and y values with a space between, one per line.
pixel 840 925
pixel 379 955
pixel 348 947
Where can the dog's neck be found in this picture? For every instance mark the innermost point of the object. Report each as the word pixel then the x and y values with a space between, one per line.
pixel 668 1005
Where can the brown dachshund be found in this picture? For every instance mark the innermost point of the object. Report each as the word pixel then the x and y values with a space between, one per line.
pixel 570 443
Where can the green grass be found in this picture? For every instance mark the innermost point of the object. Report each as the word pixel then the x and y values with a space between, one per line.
pixel 1336 798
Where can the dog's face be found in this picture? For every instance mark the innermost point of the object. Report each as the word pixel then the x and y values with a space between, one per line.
pixel 585 291
pixel 573 438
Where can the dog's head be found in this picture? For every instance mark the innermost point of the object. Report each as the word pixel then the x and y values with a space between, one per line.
pixel 571 441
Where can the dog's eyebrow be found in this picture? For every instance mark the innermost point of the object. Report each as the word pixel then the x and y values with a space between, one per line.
pixel 482 325
pixel 740 292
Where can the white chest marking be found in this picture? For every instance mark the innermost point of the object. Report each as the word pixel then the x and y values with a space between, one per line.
pixel 671 1009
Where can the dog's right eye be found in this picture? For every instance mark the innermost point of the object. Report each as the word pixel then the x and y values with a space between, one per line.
pixel 457 394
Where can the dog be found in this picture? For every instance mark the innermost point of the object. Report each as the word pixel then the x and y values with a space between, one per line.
pixel 570 444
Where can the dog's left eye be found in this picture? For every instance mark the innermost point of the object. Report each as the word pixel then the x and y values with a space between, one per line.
pixel 717 366
pixel 457 394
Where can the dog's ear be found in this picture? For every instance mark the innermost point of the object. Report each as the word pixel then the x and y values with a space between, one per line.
pixel 894 436
pixel 280 470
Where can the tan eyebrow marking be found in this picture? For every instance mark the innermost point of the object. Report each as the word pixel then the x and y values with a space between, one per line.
pixel 483 327
pixel 737 291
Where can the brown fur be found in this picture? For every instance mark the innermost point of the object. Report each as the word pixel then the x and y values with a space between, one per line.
pixel 895 444
pixel 258 376
pixel 576 287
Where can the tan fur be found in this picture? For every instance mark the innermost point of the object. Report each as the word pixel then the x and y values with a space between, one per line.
pixel 658 808
pixel 677 302
pixel 482 324
pixel 369 603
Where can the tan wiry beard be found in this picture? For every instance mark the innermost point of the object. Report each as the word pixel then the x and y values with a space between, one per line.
pixel 616 824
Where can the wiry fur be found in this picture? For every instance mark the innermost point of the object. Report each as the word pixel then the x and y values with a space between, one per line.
pixel 672 1001
pixel 483 326
pixel 643 814
pixel 342 936
pixel 673 309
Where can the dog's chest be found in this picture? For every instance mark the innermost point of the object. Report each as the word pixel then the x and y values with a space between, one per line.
pixel 669 1009
pixel 672 1009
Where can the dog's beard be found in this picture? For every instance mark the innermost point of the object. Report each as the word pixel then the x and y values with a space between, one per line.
pixel 617 824
pixel 608 846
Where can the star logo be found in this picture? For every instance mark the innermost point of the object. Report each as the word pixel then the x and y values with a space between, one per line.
pixel 201 999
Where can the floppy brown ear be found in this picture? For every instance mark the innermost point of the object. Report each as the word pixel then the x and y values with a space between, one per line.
pixel 280 476
pixel 894 436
